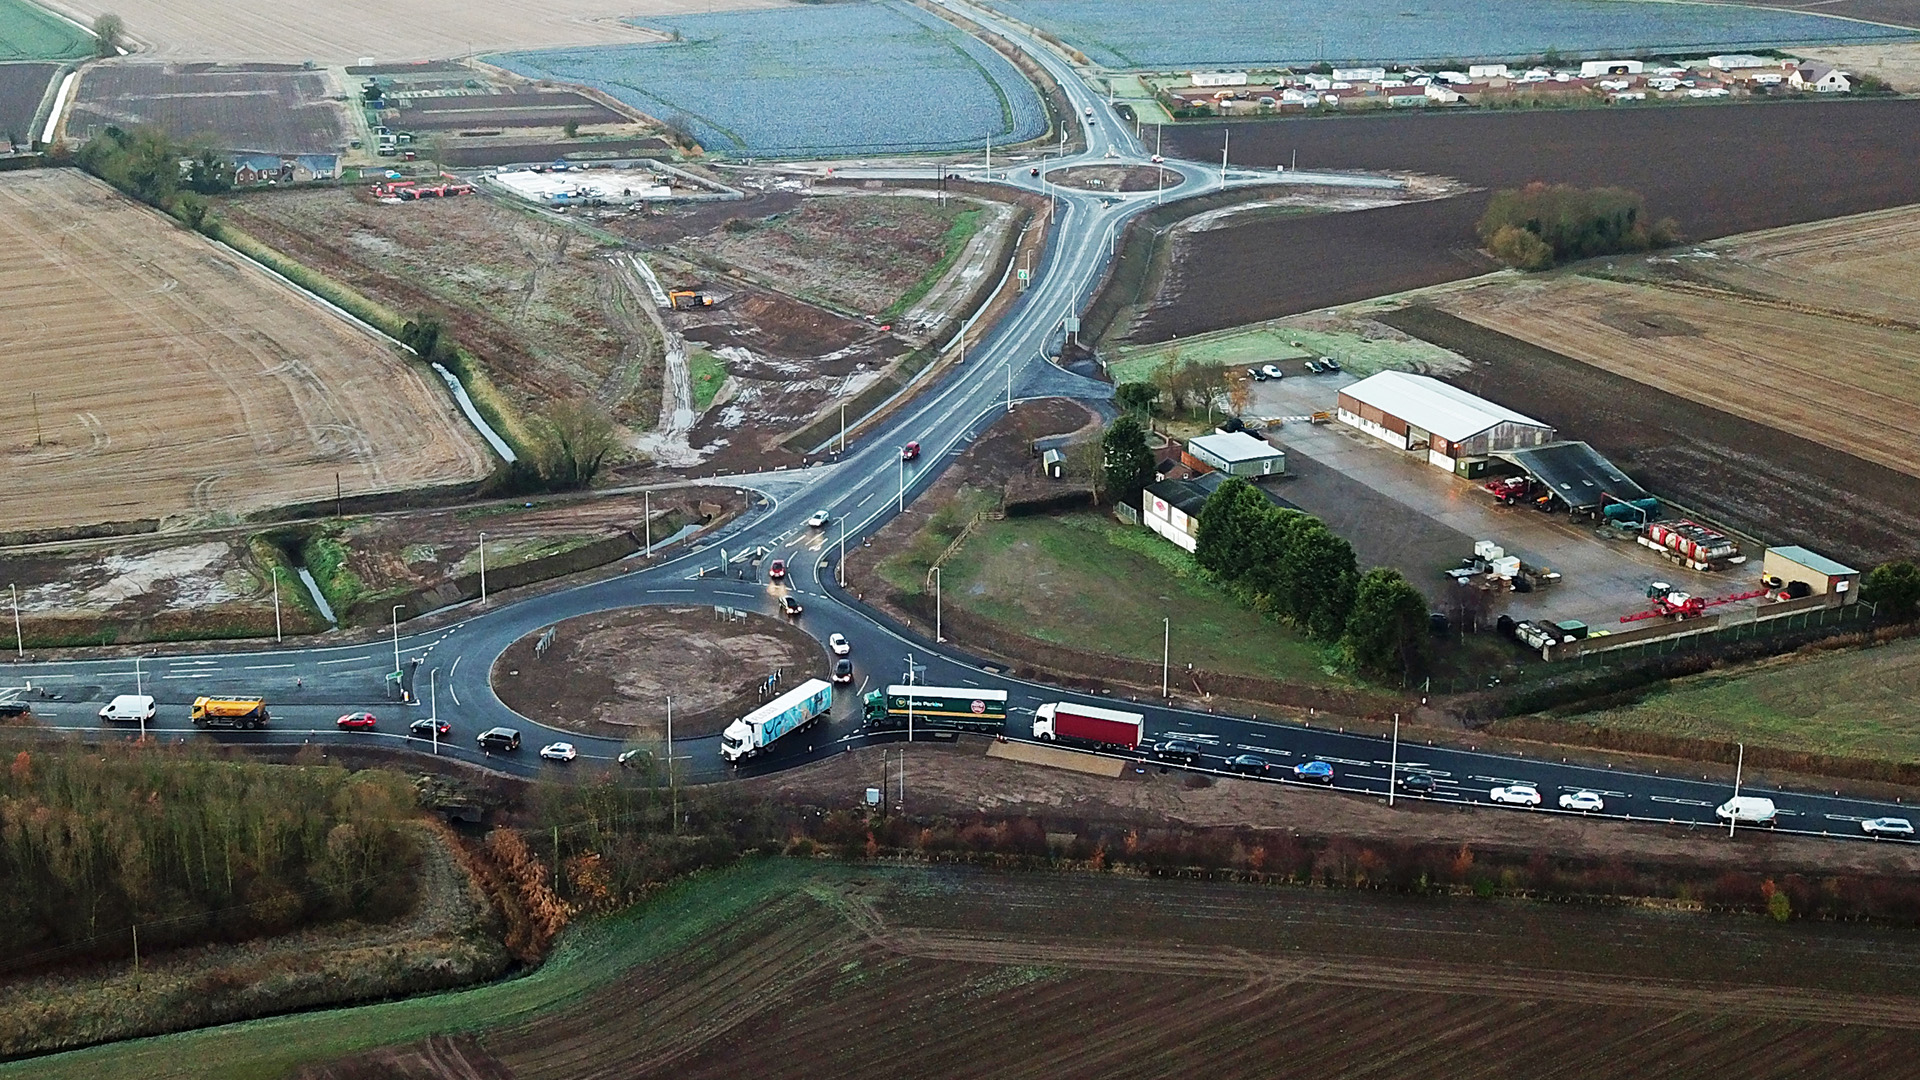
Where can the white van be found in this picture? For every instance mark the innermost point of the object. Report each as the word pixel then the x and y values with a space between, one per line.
pixel 1747 810
pixel 130 707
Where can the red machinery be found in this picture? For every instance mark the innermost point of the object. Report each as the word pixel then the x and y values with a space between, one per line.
pixel 1689 542
pixel 1514 490
pixel 1678 605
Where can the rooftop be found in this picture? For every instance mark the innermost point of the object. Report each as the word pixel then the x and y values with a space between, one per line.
pixel 1234 446
pixel 1434 406
pixel 1577 473
pixel 1813 560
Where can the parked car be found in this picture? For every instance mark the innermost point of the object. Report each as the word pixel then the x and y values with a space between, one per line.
pixel 1272 371
pixel 424 728
pixel 1249 763
pixel 1176 752
pixel 838 643
pixel 1417 783
pixel 1586 802
pixel 910 452
pixel 637 758
pixel 559 751
pixel 1318 772
pixel 1887 826
pixel 1314 368
pixel 1254 374
pixel 1516 795
pixel 1329 363
pixel 843 670
pixel 500 738
pixel 357 721
pixel 790 606
pixel 819 519
pixel 778 570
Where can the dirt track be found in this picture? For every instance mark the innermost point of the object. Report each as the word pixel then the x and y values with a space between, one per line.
pixel 1716 169
pixel 161 376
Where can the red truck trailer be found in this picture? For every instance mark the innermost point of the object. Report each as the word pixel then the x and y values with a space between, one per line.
pixel 1089 725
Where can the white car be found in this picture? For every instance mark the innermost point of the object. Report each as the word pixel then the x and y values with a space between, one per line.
pixel 838 643
pixel 1887 826
pixel 560 751
pixel 1516 795
pixel 1272 371
pixel 818 520
pixel 1584 801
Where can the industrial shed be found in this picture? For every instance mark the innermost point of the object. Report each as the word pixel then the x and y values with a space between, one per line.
pixel 1237 453
pixel 1577 475
pixel 1781 567
pixel 1414 412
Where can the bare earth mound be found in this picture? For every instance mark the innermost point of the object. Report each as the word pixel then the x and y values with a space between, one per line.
pixel 155 374
pixel 610 673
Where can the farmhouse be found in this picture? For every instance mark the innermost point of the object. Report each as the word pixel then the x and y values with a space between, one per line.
pixel 1820 78
pixel 1236 453
pixel 1414 412
pixel 1799 572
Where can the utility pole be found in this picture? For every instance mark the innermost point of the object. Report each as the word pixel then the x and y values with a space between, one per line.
pixel 136 957
pixel 1740 764
pixel 433 706
pixel 1166 649
pixel 19 647
pixel 1393 766
pixel 989 157
pixel 483 569
pixel 276 605
pixel 672 788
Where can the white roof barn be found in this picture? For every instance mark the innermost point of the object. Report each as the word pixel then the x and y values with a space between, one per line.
pixel 1413 412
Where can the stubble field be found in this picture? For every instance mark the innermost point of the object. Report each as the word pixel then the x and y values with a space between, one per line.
pixel 169 377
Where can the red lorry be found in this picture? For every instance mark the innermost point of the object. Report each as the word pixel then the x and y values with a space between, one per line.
pixel 1089 725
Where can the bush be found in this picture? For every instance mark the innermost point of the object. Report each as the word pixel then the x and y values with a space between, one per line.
pixel 1568 223
pixel 1894 591
pixel 1521 249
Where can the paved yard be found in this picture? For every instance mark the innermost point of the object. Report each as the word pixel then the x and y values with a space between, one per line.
pixel 1398 511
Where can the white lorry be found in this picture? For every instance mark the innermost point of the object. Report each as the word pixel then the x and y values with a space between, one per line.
pixel 1747 810
pixel 753 733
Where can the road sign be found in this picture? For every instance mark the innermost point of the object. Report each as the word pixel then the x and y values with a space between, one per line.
pixel 1023 275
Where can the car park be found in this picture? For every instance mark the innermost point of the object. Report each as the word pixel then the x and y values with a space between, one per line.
pixel 500 738
pixel 560 751
pixel 838 643
pixel 1516 795
pixel 1586 802
pixel 843 670
pixel 1318 772
pixel 1887 826
pixel 777 570
pixel 428 728
pixel 790 605
pixel 1249 763
pixel 356 721
pixel 910 452
pixel 1417 783
pixel 819 519
pixel 1176 752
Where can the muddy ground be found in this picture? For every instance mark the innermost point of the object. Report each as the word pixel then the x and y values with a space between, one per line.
pixel 1766 482
pixel 610 673
pixel 1716 169
pixel 1116 178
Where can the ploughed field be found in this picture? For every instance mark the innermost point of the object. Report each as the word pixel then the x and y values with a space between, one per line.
pixel 278 109
pixel 1717 170
pixel 160 375
pixel 22 86
pixel 828 969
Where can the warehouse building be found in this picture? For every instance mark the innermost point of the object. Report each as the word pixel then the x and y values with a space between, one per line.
pixel 1237 453
pixel 1798 572
pixel 1456 429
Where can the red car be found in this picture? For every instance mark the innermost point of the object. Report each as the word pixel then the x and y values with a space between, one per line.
pixel 778 571
pixel 910 452
pixel 357 721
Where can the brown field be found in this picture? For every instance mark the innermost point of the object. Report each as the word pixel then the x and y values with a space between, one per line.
pixel 242 107
pixel 22 86
pixel 342 31
pixel 1839 383
pixel 850 971
pixel 170 378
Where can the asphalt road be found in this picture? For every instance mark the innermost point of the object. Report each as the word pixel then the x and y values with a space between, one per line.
pixel 450 668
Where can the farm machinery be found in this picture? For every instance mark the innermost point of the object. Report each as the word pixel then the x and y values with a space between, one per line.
pixel 1667 602
pixel 1516 490
pixel 409 190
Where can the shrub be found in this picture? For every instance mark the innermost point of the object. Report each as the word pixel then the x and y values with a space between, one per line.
pixel 1570 223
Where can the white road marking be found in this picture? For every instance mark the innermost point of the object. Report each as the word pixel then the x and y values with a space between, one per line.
pixel 1679 802
pixel 193 674
pixel 864 501
pixel 1263 750
pixel 669 590
pixel 1600 791
pixel 1347 761
pixel 188 663
pixel 1845 817
pixel 455 667
pixel 348 660
pixel 266 667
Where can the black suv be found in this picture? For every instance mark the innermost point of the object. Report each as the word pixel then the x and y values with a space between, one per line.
pixel 500 738
pixel 1176 752
pixel 1418 783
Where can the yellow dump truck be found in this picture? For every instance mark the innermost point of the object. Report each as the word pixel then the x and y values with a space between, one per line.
pixel 212 712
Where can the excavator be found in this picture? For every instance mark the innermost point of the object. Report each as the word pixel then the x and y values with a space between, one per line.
pixel 688 299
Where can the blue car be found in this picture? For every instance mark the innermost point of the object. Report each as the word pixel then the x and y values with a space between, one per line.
pixel 1317 771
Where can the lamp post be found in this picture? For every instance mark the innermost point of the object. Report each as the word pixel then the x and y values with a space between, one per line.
pixel 433 705
pixel 276 605
pixel 396 643
pixel 483 569
pixel 843 426
pixel 910 693
pixel 1166 649
pixel 933 576
pixel 1733 814
pixel 840 570
pixel 19 648
pixel 1393 764
pixel 139 690
pixel 673 790
pixel 903 479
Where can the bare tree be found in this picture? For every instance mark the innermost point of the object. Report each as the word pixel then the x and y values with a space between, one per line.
pixel 580 435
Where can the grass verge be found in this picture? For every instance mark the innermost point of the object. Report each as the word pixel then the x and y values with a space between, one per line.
pixel 955 241
pixel 709 374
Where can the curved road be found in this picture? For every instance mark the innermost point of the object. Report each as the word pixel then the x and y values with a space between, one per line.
pixel 308 687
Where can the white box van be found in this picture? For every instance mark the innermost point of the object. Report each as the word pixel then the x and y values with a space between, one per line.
pixel 130 707
pixel 1747 810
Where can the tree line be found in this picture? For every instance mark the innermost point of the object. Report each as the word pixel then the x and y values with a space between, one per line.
pixel 189 847
pixel 147 164
pixel 1540 224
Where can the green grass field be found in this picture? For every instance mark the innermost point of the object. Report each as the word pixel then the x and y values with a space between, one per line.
pixel 1857 704
pixel 589 956
pixel 1267 343
pixel 31 32
pixel 709 374
pixel 1090 583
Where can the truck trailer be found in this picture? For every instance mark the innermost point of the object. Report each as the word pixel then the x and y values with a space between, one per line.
pixel 1089 725
pixel 797 708
pixel 212 712
pixel 937 708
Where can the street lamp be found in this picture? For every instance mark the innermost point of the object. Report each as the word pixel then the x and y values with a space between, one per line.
pixel 433 705
pixel 19 648
pixel 933 577
pixel 843 427
pixel 671 787
pixel 1733 813
pixel 1166 648
pixel 840 570
pixel 1393 763
pixel 903 479
pixel 483 569
pixel 396 644
pixel 910 692
pixel 276 605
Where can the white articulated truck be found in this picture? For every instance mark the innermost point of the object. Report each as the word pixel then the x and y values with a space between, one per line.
pixel 797 708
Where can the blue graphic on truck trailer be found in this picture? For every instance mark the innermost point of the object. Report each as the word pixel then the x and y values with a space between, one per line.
pixel 755 732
